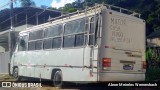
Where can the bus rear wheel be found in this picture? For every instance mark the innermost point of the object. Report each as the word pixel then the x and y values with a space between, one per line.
pixel 16 74
pixel 57 80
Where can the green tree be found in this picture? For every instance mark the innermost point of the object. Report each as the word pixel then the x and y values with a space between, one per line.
pixel 149 9
pixel 68 8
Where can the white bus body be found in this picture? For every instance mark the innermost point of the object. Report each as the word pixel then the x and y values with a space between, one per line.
pixel 118 53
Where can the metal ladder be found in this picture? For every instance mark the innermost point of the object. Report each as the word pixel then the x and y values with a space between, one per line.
pixel 95 60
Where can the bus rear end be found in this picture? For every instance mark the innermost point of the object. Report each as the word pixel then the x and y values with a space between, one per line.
pixel 122 47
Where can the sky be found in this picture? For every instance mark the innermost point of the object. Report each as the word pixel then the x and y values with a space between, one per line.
pixel 48 3
pixel 60 3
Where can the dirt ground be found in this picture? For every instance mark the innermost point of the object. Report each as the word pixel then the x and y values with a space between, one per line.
pixel 6 77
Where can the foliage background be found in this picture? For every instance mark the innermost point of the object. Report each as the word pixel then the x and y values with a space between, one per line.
pixel 149 9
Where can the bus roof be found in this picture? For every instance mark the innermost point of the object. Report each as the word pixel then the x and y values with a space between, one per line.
pixel 79 14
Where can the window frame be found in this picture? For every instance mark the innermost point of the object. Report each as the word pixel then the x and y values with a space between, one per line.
pixel 34 46
pixel 44 43
pixel 41 29
pixel 95 33
pixel 84 33
pixel 60 36
pixel 60 43
pixel 35 40
pixel 46 29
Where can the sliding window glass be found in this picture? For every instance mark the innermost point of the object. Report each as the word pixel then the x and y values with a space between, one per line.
pixel 69 41
pixel 74 33
pixel 36 35
pixel 53 31
pixel 31 45
pixel 35 40
pixel 79 40
pixel 53 37
pixel 56 42
pixel 47 44
pixel 74 27
pixel 39 44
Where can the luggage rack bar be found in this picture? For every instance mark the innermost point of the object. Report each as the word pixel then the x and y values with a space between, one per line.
pixel 111 7
pixel 77 12
pixel 123 10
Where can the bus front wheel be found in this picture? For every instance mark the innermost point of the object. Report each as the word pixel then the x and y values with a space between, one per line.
pixel 16 74
pixel 57 80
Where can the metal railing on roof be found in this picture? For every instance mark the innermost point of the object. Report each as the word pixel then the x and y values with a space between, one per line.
pixel 111 7
pixel 77 12
pixel 123 10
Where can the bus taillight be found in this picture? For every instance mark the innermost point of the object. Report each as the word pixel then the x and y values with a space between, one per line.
pixel 106 62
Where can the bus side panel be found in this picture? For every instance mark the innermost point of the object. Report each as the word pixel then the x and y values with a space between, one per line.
pixel 40 64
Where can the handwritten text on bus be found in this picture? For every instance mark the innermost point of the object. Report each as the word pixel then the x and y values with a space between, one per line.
pixel 117 31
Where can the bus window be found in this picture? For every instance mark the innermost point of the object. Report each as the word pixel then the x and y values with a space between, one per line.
pixel 93 31
pixel 53 31
pixel 39 45
pixel 36 35
pixel 69 41
pixel 74 33
pixel 92 25
pixel 79 40
pixel 22 43
pixel 31 45
pixel 86 27
pixel 69 28
pixel 57 42
pixel 75 27
pixel 47 44
pixel 91 39
pixel 80 25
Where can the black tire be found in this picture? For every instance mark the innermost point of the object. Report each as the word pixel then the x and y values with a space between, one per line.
pixel 16 74
pixel 57 79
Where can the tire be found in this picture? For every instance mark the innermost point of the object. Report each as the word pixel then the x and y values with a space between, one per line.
pixel 16 74
pixel 57 79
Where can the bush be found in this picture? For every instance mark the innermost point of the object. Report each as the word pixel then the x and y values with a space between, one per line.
pixel 153 73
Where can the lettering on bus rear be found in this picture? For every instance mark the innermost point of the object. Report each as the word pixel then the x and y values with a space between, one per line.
pixel 117 30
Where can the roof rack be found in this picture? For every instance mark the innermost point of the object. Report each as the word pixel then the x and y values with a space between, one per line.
pixel 77 12
pixel 111 7
pixel 123 10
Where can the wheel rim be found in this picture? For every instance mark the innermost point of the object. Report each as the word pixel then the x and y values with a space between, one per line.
pixel 58 79
pixel 15 73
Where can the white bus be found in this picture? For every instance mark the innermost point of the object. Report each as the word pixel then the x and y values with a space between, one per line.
pixel 95 45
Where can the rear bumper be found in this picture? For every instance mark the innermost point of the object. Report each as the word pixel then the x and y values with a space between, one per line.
pixel 114 76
